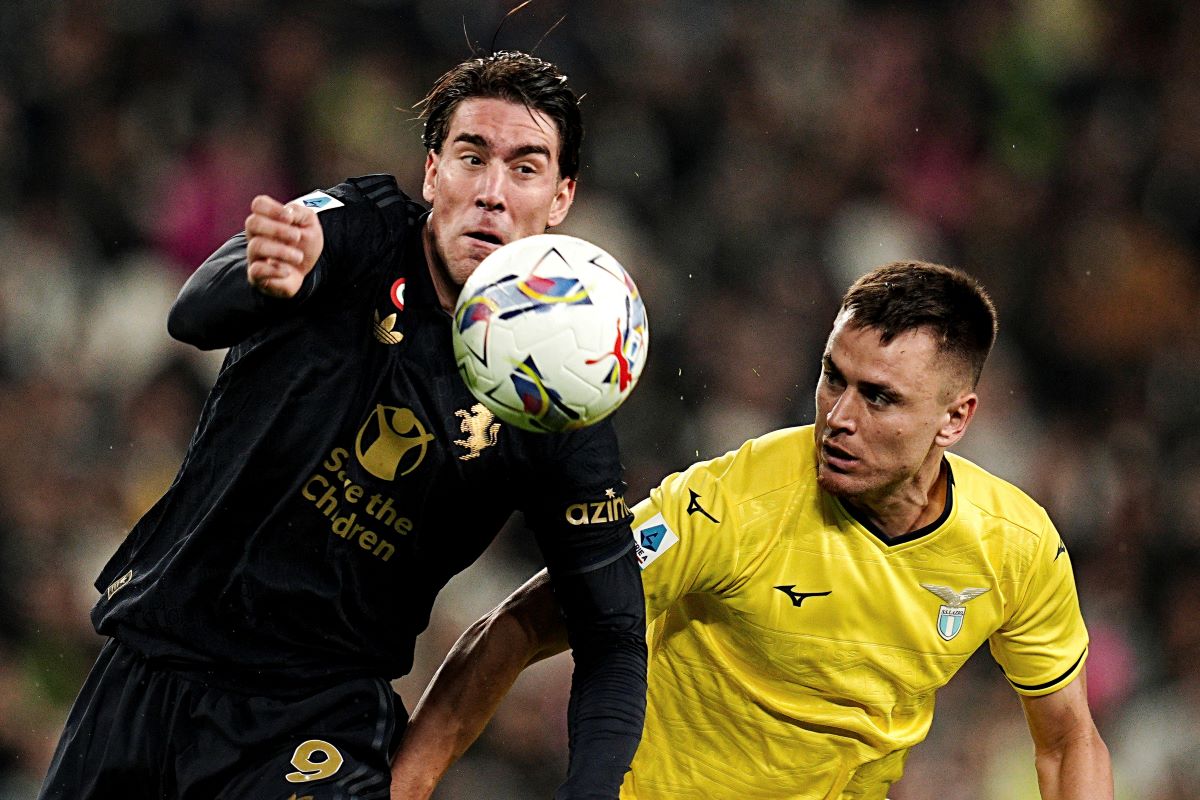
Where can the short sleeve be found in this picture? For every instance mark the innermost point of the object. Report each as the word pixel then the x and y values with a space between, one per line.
pixel 685 535
pixel 1043 645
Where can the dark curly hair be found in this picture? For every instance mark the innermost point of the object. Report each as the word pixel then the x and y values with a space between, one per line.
pixel 514 76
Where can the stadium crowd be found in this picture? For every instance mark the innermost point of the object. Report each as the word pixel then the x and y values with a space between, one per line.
pixel 745 161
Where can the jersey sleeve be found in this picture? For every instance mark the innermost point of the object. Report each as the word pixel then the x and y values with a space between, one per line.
pixel 686 536
pixel 577 511
pixel 1043 644
pixel 217 307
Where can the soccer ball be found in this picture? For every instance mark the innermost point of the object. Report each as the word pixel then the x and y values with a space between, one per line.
pixel 550 333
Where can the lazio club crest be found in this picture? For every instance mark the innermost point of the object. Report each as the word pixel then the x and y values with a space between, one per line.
pixel 951 615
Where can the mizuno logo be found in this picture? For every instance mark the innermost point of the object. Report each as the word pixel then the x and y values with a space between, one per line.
pixel 798 598
pixel 694 507
pixel 1062 548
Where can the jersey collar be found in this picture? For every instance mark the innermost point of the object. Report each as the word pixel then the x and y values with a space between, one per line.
pixel 874 530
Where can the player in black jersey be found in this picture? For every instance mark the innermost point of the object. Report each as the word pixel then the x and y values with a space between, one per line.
pixel 341 473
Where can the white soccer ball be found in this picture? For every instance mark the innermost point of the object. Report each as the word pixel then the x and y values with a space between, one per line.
pixel 550 333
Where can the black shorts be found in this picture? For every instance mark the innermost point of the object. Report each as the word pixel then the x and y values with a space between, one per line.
pixel 142 732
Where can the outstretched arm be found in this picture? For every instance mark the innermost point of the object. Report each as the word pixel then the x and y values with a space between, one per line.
pixel 1072 760
pixel 468 687
pixel 236 289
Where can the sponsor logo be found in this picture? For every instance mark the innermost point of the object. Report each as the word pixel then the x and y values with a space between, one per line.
pixel 392 442
pixel 385 329
pixel 481 429
pixel 951 615
pixel 397 294
pixel 1062 548
pixel 355 513
pixel 798 598
pixel 610 509
pixel 319 201
pixel 118 584
pixel 694 507
pixel 653 538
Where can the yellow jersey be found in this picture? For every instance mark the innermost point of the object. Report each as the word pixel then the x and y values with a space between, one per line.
pixel 795 651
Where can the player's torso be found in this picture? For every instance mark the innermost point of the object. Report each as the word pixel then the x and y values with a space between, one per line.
pixel 341 474
pixel 802 677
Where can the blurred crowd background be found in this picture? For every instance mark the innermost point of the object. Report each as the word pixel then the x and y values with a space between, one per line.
pixel 746 161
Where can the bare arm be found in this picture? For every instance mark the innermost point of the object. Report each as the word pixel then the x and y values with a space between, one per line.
pixel 1071 758
pixel 468 687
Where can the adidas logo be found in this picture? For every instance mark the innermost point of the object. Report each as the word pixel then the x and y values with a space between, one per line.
pixel 385 329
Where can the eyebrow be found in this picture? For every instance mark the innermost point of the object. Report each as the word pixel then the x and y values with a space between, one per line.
pixel 869 386
pixel 523 150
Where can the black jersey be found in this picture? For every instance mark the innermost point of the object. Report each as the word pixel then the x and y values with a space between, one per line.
pixel 341 472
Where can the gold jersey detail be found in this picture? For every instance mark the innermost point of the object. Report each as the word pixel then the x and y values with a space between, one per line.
pixel 391 437
pixel 754 695
pixel 118 584
pixel 385 329
pixel 481 429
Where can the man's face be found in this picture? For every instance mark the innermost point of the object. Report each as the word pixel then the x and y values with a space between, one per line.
pixel 495 181
pixel 885 411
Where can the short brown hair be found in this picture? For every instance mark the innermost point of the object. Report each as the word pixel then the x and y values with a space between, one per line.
pixel 911 295
pixel 516 77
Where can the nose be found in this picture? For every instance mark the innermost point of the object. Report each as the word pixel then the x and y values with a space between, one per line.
pixel 840 416
pixel 490 194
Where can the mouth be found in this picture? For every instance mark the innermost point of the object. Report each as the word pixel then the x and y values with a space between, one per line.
pixel 836 458
pixel 486 238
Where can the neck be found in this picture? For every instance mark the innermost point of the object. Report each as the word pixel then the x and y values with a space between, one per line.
pixel 911 506
pixel 447 291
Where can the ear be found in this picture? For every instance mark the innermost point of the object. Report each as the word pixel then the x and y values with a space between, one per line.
pixel 958 416
pixel 431 167
pixel 562 202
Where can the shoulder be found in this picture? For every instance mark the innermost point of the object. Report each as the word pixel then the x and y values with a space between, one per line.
pixel 762 465
pixel 997 499
pixel 366 193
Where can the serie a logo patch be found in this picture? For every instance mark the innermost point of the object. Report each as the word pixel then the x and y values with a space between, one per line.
pixel 653 538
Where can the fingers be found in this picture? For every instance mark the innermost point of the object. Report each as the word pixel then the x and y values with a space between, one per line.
pixel 282 244
pixel 275 279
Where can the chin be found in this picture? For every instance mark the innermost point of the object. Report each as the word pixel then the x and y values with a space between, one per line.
pixel 839 484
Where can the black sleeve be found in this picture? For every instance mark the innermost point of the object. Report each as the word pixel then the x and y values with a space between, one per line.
pixel 605 614
pixel 218 307
pixel 583 527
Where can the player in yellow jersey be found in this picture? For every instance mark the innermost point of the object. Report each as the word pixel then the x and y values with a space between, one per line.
pixel 810 592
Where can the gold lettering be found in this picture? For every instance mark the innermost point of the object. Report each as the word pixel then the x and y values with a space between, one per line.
pixel 384 550
pixel 328 503
pixel 354 492
pixel 386 514
pixel 367 540
pixel 342 525
pixel 317 479
pixel 577 514
pixel 337 457
pixel 403 525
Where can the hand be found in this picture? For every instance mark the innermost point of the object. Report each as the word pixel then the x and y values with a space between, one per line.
pixel 283 242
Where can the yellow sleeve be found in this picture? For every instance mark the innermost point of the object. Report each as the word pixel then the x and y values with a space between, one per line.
pixel 1043 645
pixel 685 536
